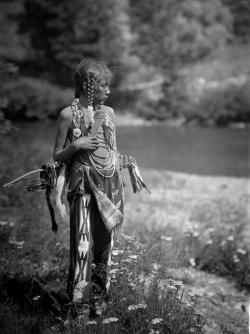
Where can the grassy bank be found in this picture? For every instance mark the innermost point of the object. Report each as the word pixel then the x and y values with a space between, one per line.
pixel 186 264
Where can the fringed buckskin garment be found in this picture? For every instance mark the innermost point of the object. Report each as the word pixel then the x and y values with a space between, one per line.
pixel 96 209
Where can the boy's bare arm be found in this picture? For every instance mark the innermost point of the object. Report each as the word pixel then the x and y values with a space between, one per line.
pixel 62 153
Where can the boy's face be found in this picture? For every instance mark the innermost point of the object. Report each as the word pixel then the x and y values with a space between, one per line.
pixel 101 91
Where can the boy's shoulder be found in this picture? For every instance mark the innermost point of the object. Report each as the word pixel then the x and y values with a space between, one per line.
pixel 108 110
pixel 66 113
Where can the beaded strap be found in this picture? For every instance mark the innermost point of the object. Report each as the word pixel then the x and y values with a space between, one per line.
pixel 77 114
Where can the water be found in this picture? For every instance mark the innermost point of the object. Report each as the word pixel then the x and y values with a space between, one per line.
pixel 206 151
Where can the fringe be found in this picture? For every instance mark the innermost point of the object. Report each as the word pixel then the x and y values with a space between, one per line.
pixel 127 161
pixel 60 192
pixel 136 179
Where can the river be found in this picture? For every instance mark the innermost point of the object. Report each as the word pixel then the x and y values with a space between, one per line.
pixel 195 150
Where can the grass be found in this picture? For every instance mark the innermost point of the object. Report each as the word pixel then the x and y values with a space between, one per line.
pixel 139 302
pixel 188 226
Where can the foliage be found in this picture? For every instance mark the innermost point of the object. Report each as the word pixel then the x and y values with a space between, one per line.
pixel 223 106
pixel 241 14
pixel 141 41
pixel 221 254
pixel 14 46
pixel 137 303
pixel 7 71
pixel 29 248
pixel 170 36
pixel 75 29
pixel 171 33
pixel 33 99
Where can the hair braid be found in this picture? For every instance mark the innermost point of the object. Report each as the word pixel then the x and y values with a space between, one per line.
pixel 90 94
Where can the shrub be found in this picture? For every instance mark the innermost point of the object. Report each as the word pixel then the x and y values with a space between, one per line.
pixel 224 254
pixel 223 106
pixel 33 99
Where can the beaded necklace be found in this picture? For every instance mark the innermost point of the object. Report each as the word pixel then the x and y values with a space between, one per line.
pixel 77 114
pixel 81 124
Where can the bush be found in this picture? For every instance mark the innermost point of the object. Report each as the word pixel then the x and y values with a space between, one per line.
pixel 220 253
pixel 33 99
pixel 223 106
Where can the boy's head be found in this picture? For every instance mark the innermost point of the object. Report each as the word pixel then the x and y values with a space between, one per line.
pixel 92 79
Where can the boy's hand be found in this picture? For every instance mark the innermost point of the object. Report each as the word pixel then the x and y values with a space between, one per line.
pixel 86 143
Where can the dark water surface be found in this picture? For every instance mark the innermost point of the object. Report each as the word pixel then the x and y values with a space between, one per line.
pixel 207 151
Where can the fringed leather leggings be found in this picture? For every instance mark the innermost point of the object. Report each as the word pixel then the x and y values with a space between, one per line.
pixel 90 247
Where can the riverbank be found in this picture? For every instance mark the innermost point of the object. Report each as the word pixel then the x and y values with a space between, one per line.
pixel 197 219
pixel 130 119
pixel 195 228
pixel 185 223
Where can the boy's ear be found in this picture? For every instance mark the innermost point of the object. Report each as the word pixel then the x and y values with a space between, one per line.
pixel 84 85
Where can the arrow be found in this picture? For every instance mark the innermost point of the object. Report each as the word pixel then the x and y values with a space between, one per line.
pixel 21 177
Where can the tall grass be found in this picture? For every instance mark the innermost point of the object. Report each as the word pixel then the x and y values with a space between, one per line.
pixel 144 296
pixel 142 300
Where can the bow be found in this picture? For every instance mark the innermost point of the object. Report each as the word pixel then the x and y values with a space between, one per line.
pixel 41 178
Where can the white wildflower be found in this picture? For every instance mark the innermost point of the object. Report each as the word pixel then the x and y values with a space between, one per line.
pixel 113 263
pixel 113 271
pixel 192 262
pixel 91 322
pixel 241 251
pixel 3 223
pixel 223 242
pixel 141 278
pixel 187 304
pixel 126 260
pixel 109 320
pixel 164 238
pixel 18 244
pixel 156 266
pixel 133 257
pixel 136 307
pixel 36 297
pixel 124 268
pixel 193 295
pixel 209 242
pixel 100 309
pixel 132 285
pixel 156 321
pixel 177 283
pixel 117 252
pixel 230 238
pixel 171 287
pixel 236 258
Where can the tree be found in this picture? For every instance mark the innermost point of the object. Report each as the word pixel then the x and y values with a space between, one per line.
pixel 63 32
pixel 171 32
pixel 241 17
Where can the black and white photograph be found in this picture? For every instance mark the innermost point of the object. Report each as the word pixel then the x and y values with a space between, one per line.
pixel 124 166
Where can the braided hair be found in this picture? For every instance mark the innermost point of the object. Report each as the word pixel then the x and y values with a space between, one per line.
pixel 89 73
pixel 90 94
